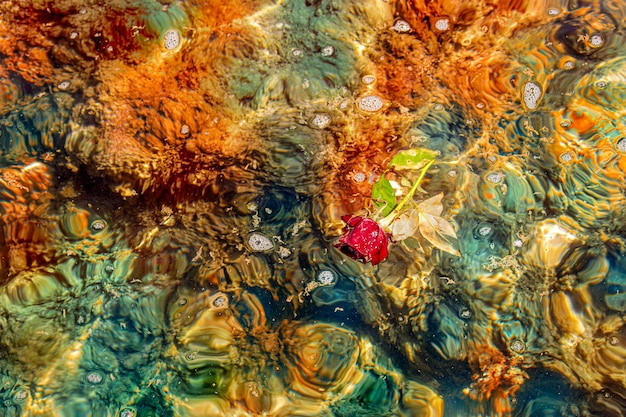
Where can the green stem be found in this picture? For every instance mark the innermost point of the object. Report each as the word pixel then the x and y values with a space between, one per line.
pixel 386 222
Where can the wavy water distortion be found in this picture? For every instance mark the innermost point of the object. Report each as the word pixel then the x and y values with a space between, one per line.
pixel 173 176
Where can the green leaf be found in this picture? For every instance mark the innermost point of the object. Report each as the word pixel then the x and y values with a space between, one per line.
pixel 413 159
pixel 384 195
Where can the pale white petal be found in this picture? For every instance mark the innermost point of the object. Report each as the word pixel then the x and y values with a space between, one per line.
pixel 433 205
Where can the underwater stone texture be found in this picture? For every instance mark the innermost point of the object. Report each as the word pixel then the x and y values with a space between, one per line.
pixel 172 181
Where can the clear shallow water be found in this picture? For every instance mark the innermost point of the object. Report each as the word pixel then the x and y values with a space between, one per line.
pixel 172 181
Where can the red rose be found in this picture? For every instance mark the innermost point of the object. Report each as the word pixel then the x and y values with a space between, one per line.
pixel 363 240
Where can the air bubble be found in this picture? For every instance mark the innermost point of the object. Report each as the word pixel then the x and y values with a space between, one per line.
pixel 465 313
pixel 401 26
pixel 359 177
pixel 453 173
pixel 495 177
pixel 517 346
pixel 566 157
pixel 94 378
pixel 484 230
pixel 532 94
pixel 370 103
pixel 565 124
pixel 296 52
pixel 321 121
pixel 569 65
pixel 171 39
pixel 601 85
pixel 184 129
pixel 220 301
pixel 613 341
pixel 260 243
pixel 63 85
pixel 621 145
pixel 368 79
pixel 127 412
pixel 326 278
pixel 553 11
pixel 98 225
pixel 596 40
pixel 442 24
pixel 20 395
pixel 328 50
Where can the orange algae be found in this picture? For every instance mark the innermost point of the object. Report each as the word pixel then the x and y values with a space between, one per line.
pixel 24 48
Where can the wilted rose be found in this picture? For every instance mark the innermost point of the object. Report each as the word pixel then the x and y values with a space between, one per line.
pixel 363 240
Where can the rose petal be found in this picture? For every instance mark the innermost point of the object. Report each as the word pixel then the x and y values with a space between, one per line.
pixel 381 254
pixel 405 225
pixel 354 221
pixel 364 240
